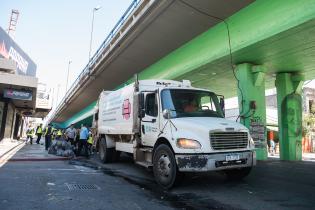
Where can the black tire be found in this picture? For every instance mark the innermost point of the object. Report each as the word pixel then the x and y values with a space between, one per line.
pixel 237 174
pixel 105 153
pixel 164 167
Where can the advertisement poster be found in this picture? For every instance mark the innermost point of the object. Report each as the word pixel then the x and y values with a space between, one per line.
pixel 43 100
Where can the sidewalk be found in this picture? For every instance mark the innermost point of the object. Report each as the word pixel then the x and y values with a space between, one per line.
pixel 309 156
pixel 14 150
pixel 305 156
pixel 35 152
pixel 7 145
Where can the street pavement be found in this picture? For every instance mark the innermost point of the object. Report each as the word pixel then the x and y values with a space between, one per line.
pixel 27 183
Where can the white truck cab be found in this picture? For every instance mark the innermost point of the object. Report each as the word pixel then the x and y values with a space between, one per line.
pixel 173 128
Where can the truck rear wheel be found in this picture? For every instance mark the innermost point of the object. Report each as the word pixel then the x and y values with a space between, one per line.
pixel 104 152
pixel 237 174
pixel 164 166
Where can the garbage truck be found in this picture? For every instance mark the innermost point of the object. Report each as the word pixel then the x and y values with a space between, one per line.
pixel 171 128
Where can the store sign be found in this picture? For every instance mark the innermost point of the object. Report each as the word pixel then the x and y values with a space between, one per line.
pixel 10 50
pixel 18 94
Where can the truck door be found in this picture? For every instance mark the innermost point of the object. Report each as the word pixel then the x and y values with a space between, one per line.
pixel 149 123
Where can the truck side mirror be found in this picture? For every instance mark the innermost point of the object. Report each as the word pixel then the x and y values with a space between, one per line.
pixel 141 106
pixel 222 105
pixel 167 114
pixel 141 101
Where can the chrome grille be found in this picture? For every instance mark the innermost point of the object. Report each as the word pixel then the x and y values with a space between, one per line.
pixel 228 140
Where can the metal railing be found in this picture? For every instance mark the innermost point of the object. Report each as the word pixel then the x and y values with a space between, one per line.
pixel 99 53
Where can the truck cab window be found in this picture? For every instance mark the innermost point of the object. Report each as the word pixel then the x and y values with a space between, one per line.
pixel 191 103
pixel 151 108
pixel 207 103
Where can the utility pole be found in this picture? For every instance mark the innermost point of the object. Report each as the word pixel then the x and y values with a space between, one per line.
pixel 68 75
pixel 91 38
pixel 57 100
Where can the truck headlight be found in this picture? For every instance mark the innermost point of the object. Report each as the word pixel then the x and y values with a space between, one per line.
pixel 188 143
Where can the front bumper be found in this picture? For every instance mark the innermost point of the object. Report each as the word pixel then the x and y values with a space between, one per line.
pixel 214 162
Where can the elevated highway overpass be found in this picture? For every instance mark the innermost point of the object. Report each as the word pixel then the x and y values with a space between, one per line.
pixel 235 48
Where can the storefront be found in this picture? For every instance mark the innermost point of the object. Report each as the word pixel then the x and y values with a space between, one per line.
pixel 15 105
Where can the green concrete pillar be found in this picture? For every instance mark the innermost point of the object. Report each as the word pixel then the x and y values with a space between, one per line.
pixel 252 104
pixel 289 89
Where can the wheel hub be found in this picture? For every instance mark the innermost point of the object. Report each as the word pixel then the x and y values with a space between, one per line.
pixel 164 165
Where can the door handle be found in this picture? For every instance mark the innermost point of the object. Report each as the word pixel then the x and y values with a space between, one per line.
pixel 142 128
pixel 149 121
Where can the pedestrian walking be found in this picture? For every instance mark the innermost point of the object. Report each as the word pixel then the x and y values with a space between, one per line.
pixel 48 133
pixel 272 147
pixel 90 142
pixel 84 135
pixel 39 132
pixel 76 141
pixel 70 134
pixel 29 134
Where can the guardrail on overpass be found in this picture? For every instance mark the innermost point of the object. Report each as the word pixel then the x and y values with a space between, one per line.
pixel 125 22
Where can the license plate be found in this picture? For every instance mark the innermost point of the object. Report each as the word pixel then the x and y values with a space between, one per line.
pixel 232 157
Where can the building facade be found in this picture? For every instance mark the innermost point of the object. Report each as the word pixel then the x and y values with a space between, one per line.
pixel 18 86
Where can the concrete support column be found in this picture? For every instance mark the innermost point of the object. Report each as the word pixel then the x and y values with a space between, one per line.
pixel 289 89
pixel 252 104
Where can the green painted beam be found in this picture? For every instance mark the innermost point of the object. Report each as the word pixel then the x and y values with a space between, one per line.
pixel 259 21
pixel 80 116
pixel 275 34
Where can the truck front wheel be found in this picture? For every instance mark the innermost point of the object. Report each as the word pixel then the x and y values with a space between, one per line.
pixel 237 174
pixel 164 166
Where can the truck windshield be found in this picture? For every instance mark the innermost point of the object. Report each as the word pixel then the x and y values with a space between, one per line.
pixel 191 103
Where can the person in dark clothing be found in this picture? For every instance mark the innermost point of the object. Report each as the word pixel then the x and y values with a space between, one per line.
pixel 84 135
pixel 39 131
pixel 71 134
pixel 48 134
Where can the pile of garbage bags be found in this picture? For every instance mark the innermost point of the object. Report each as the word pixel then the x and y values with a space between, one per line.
pixel 60 147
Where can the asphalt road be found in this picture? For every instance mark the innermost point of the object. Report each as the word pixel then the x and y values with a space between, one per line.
pixel 56 185
pixel 272 184
pixel 45 185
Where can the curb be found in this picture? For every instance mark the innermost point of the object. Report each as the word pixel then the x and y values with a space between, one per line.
pixel 11 149
pixel 39 159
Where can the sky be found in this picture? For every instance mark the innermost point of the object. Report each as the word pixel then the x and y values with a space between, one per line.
pixel 54 32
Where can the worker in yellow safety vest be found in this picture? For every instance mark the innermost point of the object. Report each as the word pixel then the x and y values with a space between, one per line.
pixel 54 133
pixel 90 141
pixel 29 134
pixel 39 132
pixel 59 134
